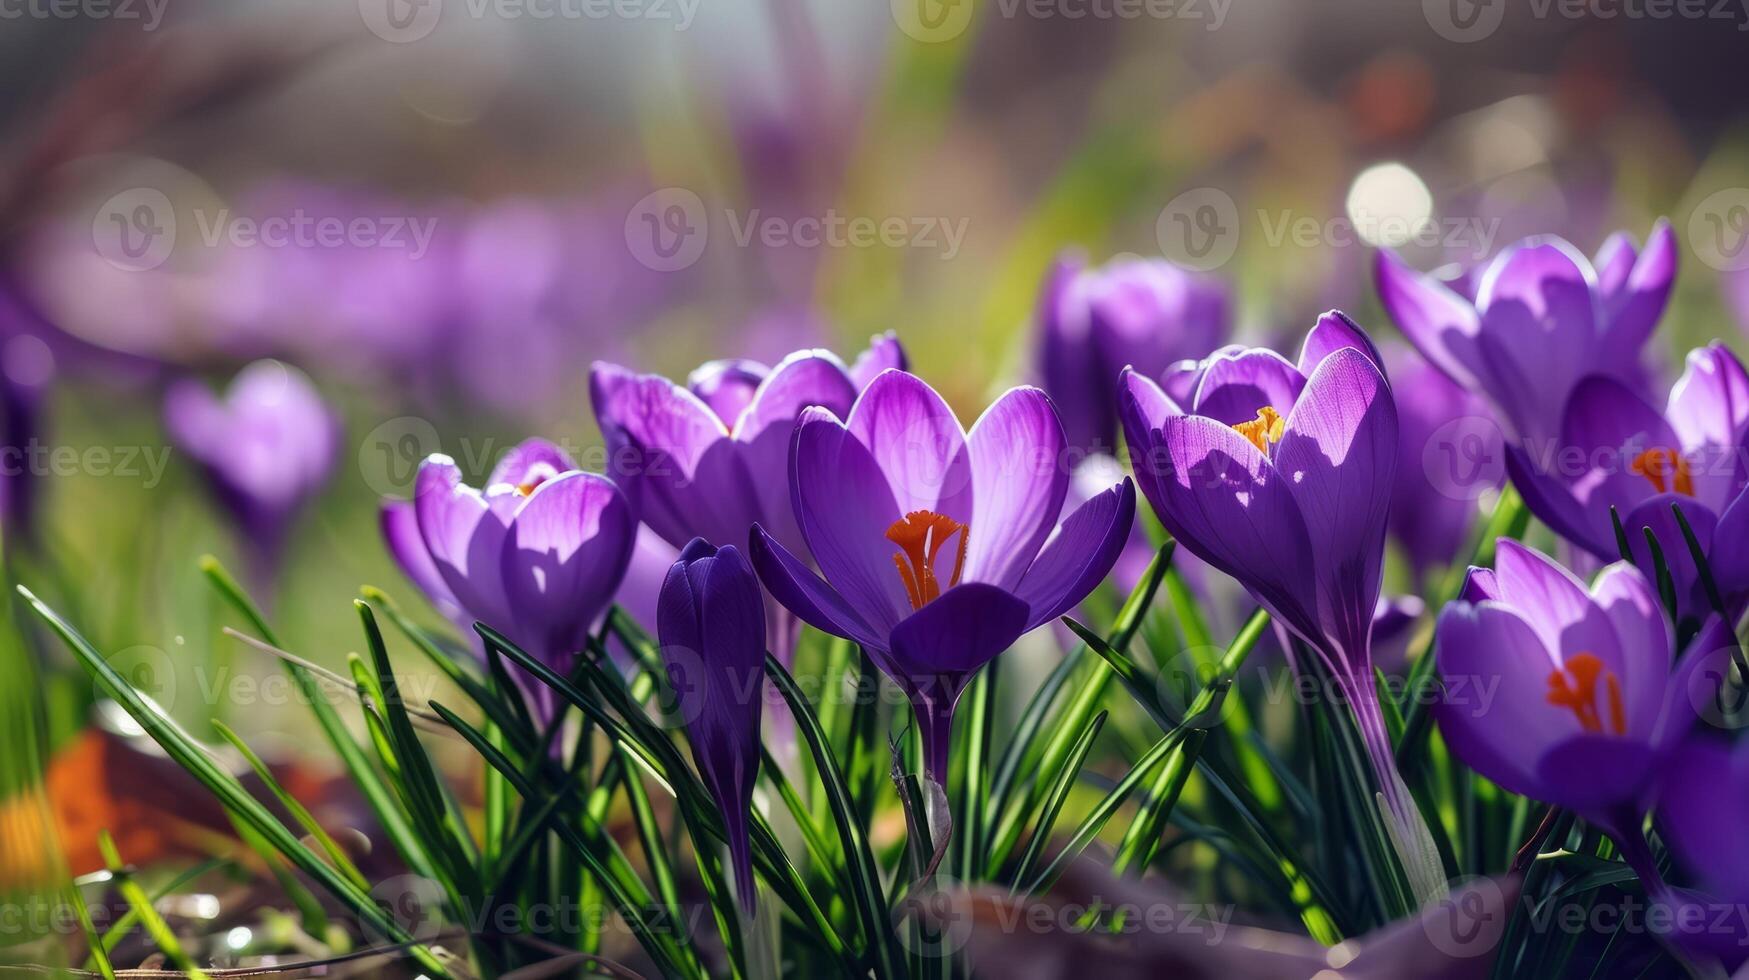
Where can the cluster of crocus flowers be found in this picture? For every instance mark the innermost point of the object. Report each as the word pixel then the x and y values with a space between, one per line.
pixel 710 620
pixel 538 553
pixel 266 448
pixel 937 548
pixel 1618 453
pixel 1094 321
pixel 1279 474
pixel 706 459
pixel 1528 327
pixel 1566 694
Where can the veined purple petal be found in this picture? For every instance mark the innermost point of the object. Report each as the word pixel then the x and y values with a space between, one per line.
pixel 1634 302
pixel 1333 332
pixel 1729 553
pixel 1441 324
pixel 1495 715
pixel 565 554
pixel 1337 457
pixel 939 647
pixel 844 507
pixel 884 352
pixel 1079 556
pixel 1480 584
pixel 1234 387
pixel 1142 405
pixel 727 386
pixel 1019 478
pixel 916 444
pixel 464 532
pixel 1709 407
pixel 673 458
pixel 400 527
pixel 531 463
pixel 802 380
pixel 802 591
pixel 1539 319
pixel 1218 495
pixel 1647 647
pixel 1595 775
pixel 1554 603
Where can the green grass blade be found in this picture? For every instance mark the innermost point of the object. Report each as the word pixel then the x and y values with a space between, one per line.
pixel 190 756
pixel 141 905
pixel 298 811
pixel 1047 821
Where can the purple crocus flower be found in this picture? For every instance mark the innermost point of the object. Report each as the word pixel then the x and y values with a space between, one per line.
pixel 710 620
pixel 1566 694
pixel 1615 450
pixel 266 447
pixel 1703 806
pixel 1146 313
pixel 537 555
pixel 27 372
pixel 1279 474
pixel 1449 452
pixel 939 548
pixel 1542 318
pixel 699 460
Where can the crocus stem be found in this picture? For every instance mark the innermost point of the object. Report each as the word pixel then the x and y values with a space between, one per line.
pixel 1408 829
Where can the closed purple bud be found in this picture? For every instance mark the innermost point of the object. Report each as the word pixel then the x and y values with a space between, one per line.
pixel 710 621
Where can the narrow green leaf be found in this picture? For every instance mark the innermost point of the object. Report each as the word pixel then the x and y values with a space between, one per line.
pixel 1059 793
pixel 162 935
pixel 298 811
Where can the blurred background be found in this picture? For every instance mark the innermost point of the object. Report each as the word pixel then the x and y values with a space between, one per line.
pixel 442 211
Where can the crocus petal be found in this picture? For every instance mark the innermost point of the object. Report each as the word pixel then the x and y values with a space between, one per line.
pixel 1079 556
pixel 1480 584
pixel 1223 501
pixel 1537 312
pixel 671 456
pixel 1333 332
pixel 1019 479
pixel 1709 407
pixel 801 380
pixel 1703 803
pixel 1633 304
pixel 400 526
pixel 1729 554
pixel 1143 405
pixel 566 552
pixel 960 631
pixel 1647 647
pixel 884 353
pixel 531 463
pixel 727 386
pixel 1494 714
pixel 1595 775
pixel 916 444
pixel 1234 388
pixel 802 591
pixel 1555 603
pixel 844 506
pixel 1552 500
pixel 1441 324
pixel 464 533
pixel 1337 457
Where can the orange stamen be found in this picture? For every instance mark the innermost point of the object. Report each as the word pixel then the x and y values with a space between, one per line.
pixel 919 535
pixel 1574 687
pixel 1665 469
pixel 1266 428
